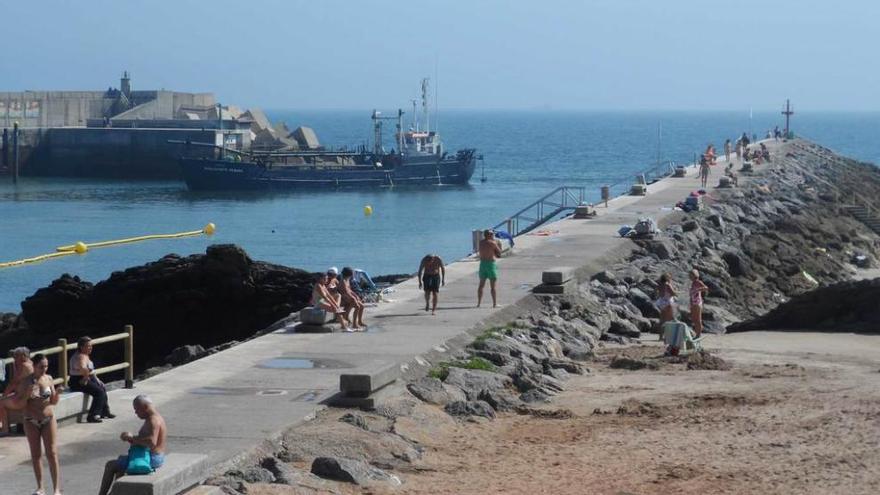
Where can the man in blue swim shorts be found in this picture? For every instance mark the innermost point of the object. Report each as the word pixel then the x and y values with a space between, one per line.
pixel 152 436
pixel 490 250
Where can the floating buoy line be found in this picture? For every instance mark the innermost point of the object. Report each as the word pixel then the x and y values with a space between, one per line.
pixel 83 247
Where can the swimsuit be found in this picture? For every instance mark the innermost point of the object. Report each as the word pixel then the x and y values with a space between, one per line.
pixel 39 423
pixel 696 295
pixel 663 302
pixel 488 269
pixel 156 461
pixel 431 282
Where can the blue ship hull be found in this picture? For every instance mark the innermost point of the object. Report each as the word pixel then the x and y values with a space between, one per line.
pixel 203 174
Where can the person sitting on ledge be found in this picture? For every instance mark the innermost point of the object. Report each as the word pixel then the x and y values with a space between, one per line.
pixel 333 284
pixel 151 438
pixel 323 299
pixel 83 379
pixel 351 302
pixel 22 366
pixel 765 153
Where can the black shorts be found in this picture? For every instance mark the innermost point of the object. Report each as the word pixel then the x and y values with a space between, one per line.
pixel 431 283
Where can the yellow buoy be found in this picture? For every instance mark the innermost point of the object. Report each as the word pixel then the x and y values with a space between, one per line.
pixel 210 229
pixel 80 247
pixel 368 210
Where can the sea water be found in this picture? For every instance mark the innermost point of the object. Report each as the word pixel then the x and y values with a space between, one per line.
pixel 526 155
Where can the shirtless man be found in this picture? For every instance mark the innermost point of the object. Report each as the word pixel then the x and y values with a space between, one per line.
pixel 432 274
pixel 490 250
pixel 151 435
pixel 21 368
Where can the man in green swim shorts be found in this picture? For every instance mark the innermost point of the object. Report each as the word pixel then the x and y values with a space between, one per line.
pixel 490 250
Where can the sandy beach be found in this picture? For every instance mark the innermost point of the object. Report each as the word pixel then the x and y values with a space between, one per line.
pixel 795 413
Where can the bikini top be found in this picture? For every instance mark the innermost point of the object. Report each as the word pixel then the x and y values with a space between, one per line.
pixel 38 392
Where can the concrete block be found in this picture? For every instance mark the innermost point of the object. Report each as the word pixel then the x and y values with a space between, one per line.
pixel 584 211
pixel 205 490
pixel 557 275
pixel 363 384
pixel 363 403
pixel 180 472
pixel 567 287
pixel 638 190
pixel 315 316
pixel 679 172
pixel 71 404
pixel 725 182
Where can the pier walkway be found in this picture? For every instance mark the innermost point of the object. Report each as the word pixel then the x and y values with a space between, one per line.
pixel 227 403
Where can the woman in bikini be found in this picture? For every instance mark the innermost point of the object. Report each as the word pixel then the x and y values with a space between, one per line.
pixel 666 299
pixel 40 394
pixel 698 290
pixel 322 298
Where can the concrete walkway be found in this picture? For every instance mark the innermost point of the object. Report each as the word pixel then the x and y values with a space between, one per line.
pixel 229 402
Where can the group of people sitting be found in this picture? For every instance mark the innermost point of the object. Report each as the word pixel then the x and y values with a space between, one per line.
pixel 31 390
pixel 333 292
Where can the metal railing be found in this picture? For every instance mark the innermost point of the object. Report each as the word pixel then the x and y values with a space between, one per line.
pixel 567 198
pixel 127 335
pixel 544 209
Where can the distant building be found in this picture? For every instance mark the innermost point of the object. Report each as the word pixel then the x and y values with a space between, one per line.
pixel 96 108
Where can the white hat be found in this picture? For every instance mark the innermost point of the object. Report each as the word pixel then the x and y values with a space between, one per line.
pixel 333 270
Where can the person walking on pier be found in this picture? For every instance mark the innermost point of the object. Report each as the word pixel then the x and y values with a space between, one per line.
pixel 704 171
pixel 432 274
pixel 490 250
pixel 40 394
pixel 147 451
pixel 22 367
pixel 83 379
pixel 698 290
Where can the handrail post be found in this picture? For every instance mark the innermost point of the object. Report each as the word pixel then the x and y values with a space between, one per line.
pixel 129 356
pixel 62 362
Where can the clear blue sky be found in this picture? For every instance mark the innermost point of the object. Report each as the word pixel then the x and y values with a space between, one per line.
pixel 494 54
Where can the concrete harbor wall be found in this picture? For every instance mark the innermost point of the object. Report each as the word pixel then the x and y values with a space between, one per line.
pixel 106 152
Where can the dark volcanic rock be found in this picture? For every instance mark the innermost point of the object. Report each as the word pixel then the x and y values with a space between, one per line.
pixel 470 408
pixel 847 306
pixel 433 391
pixel 351 471
pixel 201 299
pixel 185 354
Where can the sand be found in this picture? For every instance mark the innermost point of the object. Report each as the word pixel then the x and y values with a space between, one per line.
pixel 795 413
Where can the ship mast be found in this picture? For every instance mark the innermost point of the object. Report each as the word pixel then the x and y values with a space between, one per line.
pixel 425 104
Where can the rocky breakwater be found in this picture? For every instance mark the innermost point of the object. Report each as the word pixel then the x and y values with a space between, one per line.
pixel 204 300
pixel 783 236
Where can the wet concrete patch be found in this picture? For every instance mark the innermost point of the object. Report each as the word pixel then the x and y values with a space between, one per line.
pixel 301 363
pixel 302 395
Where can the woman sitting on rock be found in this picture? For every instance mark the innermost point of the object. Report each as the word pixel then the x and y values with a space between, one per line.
pixel 40 394
pixel 351 302
pixel 83 379
pixel 666 299
pixel 323 299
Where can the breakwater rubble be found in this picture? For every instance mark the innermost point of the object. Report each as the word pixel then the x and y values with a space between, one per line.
pixel 784 240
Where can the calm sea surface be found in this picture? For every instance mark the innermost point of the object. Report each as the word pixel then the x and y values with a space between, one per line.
pixel 527 154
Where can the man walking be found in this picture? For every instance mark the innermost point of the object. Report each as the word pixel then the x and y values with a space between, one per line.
pixel 490 250
pixel 432 274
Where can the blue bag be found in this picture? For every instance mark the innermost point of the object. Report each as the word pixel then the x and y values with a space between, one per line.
pixel 138 460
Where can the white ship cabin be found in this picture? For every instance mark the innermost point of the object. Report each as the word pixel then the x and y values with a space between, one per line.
pixel 422 143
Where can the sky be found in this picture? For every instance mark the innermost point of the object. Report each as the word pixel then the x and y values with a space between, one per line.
pixel 480 54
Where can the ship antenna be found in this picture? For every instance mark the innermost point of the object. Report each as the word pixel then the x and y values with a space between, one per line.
pixel 436 92
pixel 425 104
pixel 415 117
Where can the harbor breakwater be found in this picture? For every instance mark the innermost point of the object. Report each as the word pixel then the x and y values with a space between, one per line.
pixel 783 240
pixel 781 236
